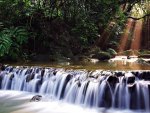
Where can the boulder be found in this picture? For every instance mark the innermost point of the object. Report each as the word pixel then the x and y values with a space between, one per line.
pixel 11 76
pixel 102 55
pixel 136 73
pixel 133 95
pixel 36 98
pixel 28 71
pixel 112 79
pixel 145 75
pixel 144 56
pixel 67 79
pixel 118 74
pixel 107 98
pixel 130 78
pixel 42 72
pixel 142 61
pixel 54 73
pixel 30 77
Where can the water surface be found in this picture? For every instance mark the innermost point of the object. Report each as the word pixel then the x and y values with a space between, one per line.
pixel 117 65
pixel 19 102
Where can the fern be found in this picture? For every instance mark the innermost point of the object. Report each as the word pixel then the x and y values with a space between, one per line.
pixel 5 43
pixel 21 35
pixel 17 34
pixel 11 40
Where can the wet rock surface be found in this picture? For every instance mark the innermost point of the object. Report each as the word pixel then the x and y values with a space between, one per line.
pixel 99 88
pixel 30 77
pixel 36 98
pixel 130 78
pixel 112 79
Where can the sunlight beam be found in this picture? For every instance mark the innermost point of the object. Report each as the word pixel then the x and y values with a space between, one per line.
pixel 136 40
pixel 125 36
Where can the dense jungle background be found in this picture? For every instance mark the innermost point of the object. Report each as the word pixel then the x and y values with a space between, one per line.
pixel 72 29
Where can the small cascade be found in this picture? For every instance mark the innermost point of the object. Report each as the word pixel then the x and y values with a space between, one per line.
pixel 99 88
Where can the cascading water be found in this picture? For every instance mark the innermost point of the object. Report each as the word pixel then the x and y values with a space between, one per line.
pixel 110 89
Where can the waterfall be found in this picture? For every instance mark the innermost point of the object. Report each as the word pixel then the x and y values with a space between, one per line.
pixel 99 88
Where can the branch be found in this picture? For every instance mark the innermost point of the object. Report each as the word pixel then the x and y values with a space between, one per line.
pixel 130 4
pixel 128 1
pixel 134 18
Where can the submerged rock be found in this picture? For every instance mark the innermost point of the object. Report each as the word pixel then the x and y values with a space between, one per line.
pixel 36 98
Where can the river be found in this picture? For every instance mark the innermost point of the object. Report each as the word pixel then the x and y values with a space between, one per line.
pixel 19 102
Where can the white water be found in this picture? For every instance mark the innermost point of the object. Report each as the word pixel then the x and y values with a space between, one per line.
pixel 18 102
pixel 80 87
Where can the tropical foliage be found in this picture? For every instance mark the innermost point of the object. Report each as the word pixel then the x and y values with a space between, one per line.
pixel 59 25
pixel 11 41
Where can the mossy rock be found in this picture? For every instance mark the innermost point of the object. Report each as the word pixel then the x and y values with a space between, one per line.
pixel 144 52
pixel 112 52
pixel 102 55
pixel 142 61
pixel 144 56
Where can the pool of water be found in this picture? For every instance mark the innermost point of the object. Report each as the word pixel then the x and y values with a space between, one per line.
pixel 115 65
pixel 19 102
